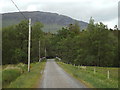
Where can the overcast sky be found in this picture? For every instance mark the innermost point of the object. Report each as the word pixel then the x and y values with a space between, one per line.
pixel 105 11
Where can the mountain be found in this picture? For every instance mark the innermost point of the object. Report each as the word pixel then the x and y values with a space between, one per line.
pixel 52 21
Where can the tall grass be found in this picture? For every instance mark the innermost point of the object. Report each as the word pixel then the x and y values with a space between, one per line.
pixel 29 79
pixel 0 76
pixel 11 72
pixel 10 75
pixel 98 79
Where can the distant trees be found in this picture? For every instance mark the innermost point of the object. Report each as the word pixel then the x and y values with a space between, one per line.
pixel 15 42
pixel 37 35
pixel 74 28
pixel 8 45
pixel 96 46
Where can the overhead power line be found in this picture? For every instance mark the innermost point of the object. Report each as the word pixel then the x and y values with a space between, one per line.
pixel 18 9
pixel 29 38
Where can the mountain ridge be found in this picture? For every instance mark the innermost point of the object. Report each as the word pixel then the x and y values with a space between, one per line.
pixel 51 20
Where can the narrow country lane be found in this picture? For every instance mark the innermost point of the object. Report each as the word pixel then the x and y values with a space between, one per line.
pixel 55 77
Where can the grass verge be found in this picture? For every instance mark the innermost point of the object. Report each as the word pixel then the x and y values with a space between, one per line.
pixel 9 76
pixel 0 77
pixel 29 79
pixel 11 72
pixel 90 79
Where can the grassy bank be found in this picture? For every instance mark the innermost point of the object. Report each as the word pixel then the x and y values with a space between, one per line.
pixel 11 72
pixel 29 79
pixel 16 76
pixel 0 76
pixel 93 77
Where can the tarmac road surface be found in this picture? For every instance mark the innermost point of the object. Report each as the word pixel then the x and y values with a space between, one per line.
pixel 55 77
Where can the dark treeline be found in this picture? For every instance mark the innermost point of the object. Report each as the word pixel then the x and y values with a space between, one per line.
pixel 95 46
pixel 15 43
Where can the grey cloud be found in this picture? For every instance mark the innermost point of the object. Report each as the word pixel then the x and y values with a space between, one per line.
pixel 119 15
pixel 100 10
pixel 82 11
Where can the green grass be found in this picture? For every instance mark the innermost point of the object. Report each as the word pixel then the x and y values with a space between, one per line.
pixel 10 75
pixel 11 72
pixel 91 79
pixel 29 79
pixel 0 76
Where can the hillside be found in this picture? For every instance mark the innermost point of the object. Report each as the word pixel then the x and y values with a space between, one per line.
pixel 52 21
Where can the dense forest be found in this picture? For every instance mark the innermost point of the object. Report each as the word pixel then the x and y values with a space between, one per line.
pixel 94 46
pixel 15 43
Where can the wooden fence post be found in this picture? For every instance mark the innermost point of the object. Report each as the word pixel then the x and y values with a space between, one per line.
pixel 108 74
pixel 94 70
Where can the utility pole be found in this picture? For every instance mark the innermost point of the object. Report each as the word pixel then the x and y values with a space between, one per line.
pixel 29 44
pixel 39 50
